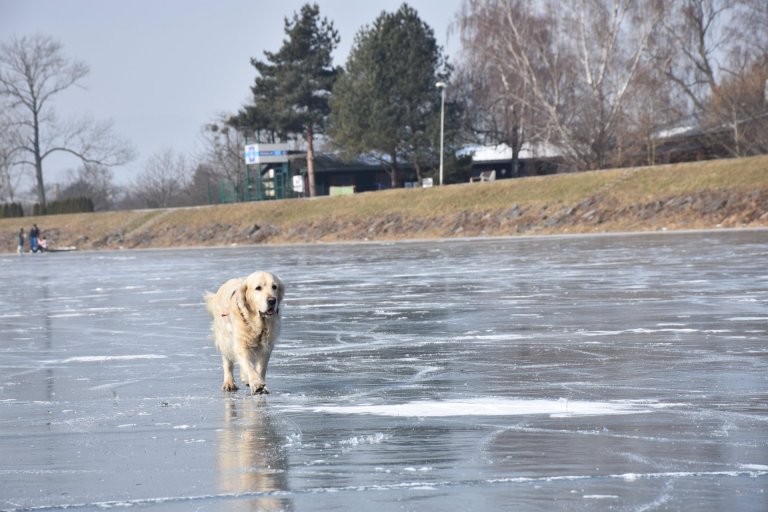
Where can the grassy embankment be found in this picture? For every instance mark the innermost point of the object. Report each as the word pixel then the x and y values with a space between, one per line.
pixel 700 195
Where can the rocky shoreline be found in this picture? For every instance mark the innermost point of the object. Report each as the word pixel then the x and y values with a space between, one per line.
pixel 704 210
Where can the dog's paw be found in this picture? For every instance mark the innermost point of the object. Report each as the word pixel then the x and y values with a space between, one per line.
pixel 259 390
pixel 229 386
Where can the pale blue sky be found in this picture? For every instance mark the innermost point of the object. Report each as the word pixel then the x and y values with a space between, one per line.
pixel 160 69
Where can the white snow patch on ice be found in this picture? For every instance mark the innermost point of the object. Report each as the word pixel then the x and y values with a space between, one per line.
pixel 103 359
pixel 489 337
pixel 640 330
pixel 754 467
pixel 494 407
pixel 112 385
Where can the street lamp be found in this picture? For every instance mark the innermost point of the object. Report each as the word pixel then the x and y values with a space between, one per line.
pixel 442 86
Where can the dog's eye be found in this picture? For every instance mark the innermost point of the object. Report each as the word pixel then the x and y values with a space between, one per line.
pixel 274 287
pixel 258 288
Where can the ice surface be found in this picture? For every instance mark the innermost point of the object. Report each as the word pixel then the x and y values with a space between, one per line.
pixel 564 373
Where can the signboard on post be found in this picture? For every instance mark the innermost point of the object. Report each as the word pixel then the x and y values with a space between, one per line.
pixel 266 154
pixel 298 184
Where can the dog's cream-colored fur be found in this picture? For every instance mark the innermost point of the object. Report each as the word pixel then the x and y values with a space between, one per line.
pixel 246 324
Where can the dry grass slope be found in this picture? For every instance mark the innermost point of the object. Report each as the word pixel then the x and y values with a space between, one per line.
pixel 701 195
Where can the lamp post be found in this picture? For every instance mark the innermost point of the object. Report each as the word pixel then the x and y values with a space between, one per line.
pixel 442 86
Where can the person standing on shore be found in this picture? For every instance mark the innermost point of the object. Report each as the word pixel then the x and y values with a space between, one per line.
pixel 20 248
pixel 34 235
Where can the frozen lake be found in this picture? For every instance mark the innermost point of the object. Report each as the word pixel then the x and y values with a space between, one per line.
pixel 583 373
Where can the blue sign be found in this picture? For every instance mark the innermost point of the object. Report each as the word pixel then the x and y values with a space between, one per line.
pixel 250 154
pixel 265 153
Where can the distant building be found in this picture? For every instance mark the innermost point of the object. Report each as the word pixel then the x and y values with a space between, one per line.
pixel 686 143
pixel 689 142
pixel 532 160
pixel 364 175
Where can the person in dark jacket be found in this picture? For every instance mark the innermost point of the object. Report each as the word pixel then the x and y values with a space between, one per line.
pixel 34 235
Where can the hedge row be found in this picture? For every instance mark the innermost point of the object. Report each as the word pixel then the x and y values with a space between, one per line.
pixel 72 205
pixel 8 210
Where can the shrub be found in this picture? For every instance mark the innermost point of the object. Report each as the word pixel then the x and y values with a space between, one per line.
pixel 71 205
pixel 8 210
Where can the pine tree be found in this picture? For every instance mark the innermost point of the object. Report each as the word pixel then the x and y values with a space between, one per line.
pixel 293 85
pixel 386 101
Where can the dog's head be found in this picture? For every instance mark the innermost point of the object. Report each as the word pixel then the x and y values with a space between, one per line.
pixel 263 292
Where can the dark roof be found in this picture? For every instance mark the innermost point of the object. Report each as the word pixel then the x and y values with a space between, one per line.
pixel 330 163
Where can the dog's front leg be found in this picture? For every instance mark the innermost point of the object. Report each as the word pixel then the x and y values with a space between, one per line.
pixel 262 360
pixel 229 378
pixel 245 359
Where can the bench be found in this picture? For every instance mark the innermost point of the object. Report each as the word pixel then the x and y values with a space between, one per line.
pixel 484 176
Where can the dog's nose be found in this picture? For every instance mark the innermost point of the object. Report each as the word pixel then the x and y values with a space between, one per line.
pixel 271 301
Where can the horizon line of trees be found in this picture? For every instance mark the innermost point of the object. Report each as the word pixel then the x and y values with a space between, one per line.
pixel 599 80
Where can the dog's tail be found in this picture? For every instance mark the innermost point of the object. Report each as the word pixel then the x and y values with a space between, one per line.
pixel 209 299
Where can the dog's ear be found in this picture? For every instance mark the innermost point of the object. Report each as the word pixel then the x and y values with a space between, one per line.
pixel 242 298
pixel 280 289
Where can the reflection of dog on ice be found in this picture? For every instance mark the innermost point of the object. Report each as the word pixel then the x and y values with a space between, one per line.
pixel 246 324
pixel 250 458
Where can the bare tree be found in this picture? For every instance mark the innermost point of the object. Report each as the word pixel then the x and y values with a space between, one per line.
pixel 94 182
pixel 739 104
pixel 714 52
pixel 613 37
pixel 221 165
pixel 690 48
pixel 203 185
pixel 498 98
pixel 653 106
pixel 573 63
pixel 223 151
pixel 163 183
pixel 9 173
pixel 754 18
pixel 33 71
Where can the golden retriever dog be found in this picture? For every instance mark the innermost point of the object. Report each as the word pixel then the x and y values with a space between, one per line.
pixel 246 324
